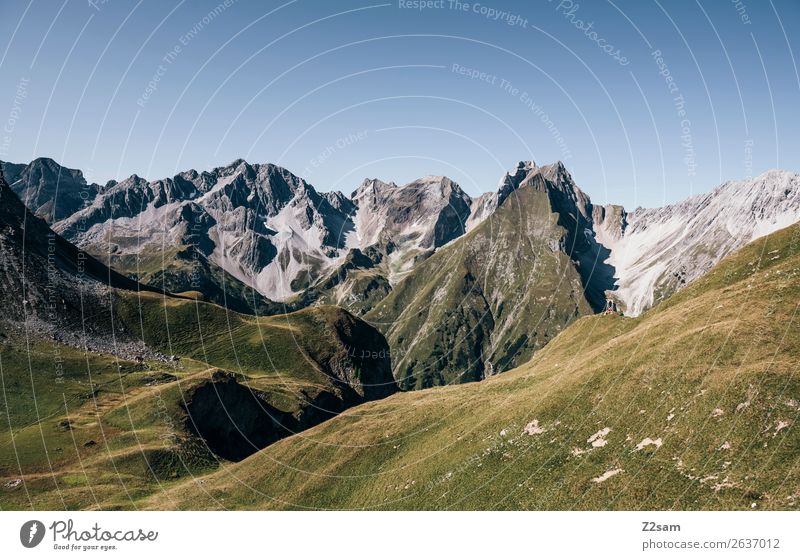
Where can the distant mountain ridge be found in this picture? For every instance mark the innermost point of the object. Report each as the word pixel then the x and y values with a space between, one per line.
pixel 259 239
pixel 261 233
pixel 657 251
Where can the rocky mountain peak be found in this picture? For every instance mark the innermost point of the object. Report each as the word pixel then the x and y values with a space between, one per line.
pixel 418 216
pixel 561 184
pixel 340 202
pixel 47 282
pixel 554 176
pixel 657 251
pixel 236 166
pixel 512 180
pixel 49 190
pixel 371 187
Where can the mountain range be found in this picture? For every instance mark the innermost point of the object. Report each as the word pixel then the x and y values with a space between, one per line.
pixel 180 381
pixel 462 287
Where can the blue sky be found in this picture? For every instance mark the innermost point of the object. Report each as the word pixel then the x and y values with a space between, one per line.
pixel 646 102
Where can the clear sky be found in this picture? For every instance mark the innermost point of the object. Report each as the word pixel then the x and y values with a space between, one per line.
pixel 645 101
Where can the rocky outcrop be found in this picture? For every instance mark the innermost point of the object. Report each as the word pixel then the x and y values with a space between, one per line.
pixel 50 191
pixel 409 220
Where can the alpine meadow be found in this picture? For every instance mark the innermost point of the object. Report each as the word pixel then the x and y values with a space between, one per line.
pixel 395 266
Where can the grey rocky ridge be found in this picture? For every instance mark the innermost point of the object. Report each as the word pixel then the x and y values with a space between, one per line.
pixel 657 251
pixel 241 235
pixel 49 190
pixel 462 287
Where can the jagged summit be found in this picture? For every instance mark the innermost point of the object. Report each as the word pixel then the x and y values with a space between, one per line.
pixel 489 299
pixel 411 219
pixel 372 186
pixel 49 190
pixel 265 227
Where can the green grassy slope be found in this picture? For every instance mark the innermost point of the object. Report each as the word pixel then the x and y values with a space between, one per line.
pixel 313 346
pixel 693 405
pixel 486 302
pixel 83 430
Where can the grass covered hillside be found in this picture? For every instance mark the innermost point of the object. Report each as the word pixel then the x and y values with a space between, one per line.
pixel 693 405
pixel 87 429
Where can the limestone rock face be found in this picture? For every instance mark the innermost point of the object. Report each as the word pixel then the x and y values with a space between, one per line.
pixel 657 251
pixel 249 226
pixel 258 238
pixel 410 219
